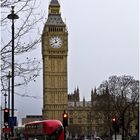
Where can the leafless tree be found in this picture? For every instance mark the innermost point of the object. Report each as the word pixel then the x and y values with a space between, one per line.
pixel 104 106
pixel 27 38
pixel 124 91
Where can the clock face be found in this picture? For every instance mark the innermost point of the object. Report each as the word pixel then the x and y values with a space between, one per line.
pixel 55 42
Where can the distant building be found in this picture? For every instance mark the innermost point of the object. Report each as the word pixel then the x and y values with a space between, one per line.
pixel 30 118
pixel 83 120
pixel 94 117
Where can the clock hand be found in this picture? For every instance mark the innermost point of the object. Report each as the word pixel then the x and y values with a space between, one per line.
pixel 55 41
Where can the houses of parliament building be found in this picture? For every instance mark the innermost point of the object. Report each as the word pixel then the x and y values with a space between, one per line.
pixel 83 119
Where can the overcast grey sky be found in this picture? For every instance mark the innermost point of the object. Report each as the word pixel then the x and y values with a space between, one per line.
pixel 103 41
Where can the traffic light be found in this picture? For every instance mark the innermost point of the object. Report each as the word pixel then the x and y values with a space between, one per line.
pixel 65 119
pixel 6 116
pixel 114 123
pixel 114 120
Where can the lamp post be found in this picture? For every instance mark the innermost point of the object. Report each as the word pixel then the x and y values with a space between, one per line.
pixel 12 16
pixel 9 76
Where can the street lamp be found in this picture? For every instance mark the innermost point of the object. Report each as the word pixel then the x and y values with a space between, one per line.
pixel 12 16
pixel 9 76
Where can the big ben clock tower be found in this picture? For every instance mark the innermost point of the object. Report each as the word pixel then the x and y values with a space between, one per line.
pixel 54 52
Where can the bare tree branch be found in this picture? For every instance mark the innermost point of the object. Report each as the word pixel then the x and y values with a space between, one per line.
pixel 27 38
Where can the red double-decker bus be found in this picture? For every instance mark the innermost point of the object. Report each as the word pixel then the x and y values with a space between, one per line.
pixel 44 130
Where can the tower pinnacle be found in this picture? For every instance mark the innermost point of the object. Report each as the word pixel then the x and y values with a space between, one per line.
pixel 54 7
pixel 54 2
